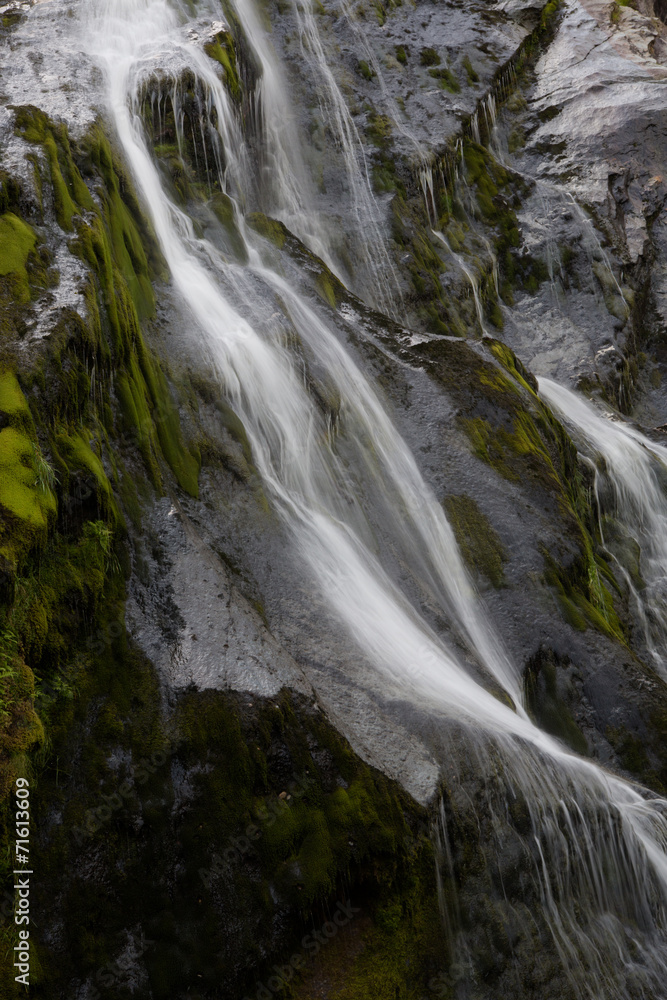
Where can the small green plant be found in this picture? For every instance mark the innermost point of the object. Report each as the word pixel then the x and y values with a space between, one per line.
pixel 8 653
pixel 365 70
pixel 516 139
pixel 8 650
pixel 429 57
pixel 446 79
pixel 378 129
pixel 473 76
pixel 46 477
pixel 103 535
pixel 402 54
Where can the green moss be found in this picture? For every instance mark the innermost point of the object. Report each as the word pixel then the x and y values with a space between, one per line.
pixel 62 585
pixel 512 431
pixel 516 139
pixel 446 79
pixel 13 403
pixel 471 74
pixel 390 950
pixel 223 208
pixel 69 190
pixel 384 175
pixel 80 455
pixel 65 206
pixel 480 545
pixel 583 598
pixel 75 449
pixel 113 246
pixel 402 54
pixel 515 434
pixel 125 233
pixel 183 463
pixel 546 704
pixel 223 51
pixel 234 842
pixel 270 229
pixel 484 177
pixel 434 308
pixel 137 419
pixel 21 730
pixel 329 287
pixel 497 192
pixel 17 240
pixel 20 496
pixel 495 315
pixel 498 447
pixel 378 129
pixel 75 405
pixel 630 749
pixel 513 366
pixel 429 57
pixel 93 246
pixel 365 70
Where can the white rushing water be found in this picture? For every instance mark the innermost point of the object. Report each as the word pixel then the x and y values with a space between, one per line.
pixel 599 842
pixel 376 273
pixel 470 276
pixel 287 185
pixel 630 482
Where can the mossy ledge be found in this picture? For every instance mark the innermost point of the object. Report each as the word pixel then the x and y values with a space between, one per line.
pixel 512 431
pixel 233 827
pixel 479 543
pixel 85 414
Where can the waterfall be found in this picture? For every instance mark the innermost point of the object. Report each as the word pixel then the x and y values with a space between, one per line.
pixel 474 127
pixel 599 843
pixel 290 197
pixel 630 478
pixel 379 281
pixel 428 190
pixel 471 277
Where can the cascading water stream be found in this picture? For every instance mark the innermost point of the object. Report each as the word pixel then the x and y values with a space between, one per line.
pixel 470 275
pixel 288 185
pixel 630 486
pixel 585 821
pixel 268 393
pixel 380 285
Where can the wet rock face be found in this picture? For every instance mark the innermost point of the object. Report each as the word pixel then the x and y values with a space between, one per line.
pixel 217 675
pixel 595 125
pixel 242 818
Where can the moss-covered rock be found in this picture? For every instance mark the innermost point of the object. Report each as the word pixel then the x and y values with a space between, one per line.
pixel 511 430
pixel 223 51
pixel 271 229
pixel 280 820
pixel 480 545
pixel 17 240
pixel 21 497
pixel 61 522
pixel 548 692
